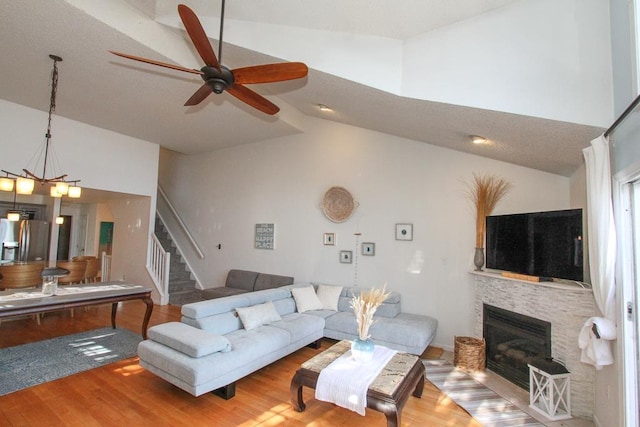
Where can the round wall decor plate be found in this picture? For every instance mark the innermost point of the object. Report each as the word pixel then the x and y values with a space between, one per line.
pixel 338 204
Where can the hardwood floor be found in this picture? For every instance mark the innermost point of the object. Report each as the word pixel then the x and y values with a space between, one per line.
pixel 123 393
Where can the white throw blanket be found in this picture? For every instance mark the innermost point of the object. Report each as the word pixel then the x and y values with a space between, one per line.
pixel 597 350
pixel 345 381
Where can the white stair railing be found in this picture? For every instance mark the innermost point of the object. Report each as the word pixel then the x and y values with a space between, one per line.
pixel 174 224
pixel 158 264
pixel 180 222
pixel 105 268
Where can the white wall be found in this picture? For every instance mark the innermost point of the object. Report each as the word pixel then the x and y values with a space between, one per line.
pixel 541 58
pixel 222 195
pixel 130 239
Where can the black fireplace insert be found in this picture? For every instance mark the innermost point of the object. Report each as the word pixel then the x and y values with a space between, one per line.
pixel 513 341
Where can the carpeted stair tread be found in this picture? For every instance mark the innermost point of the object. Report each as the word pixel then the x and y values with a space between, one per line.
pixel 185 297
pixel 182 288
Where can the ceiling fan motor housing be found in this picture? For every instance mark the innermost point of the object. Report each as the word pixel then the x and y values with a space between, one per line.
pixel 218 79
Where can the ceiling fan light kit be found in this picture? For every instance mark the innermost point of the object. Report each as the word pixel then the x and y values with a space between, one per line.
pixel 218 78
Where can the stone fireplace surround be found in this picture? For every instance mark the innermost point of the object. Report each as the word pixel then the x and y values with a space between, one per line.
pixel 565 306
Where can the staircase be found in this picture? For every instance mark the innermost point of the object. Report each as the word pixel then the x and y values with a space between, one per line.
pixel 182 288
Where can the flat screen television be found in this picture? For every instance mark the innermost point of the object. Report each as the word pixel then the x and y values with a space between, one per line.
pixel 544 244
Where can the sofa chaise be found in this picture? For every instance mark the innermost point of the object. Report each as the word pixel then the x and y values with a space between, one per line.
pixel 243 281
pixel 222 340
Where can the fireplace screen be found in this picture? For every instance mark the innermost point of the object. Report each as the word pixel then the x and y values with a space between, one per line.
pixel 513 341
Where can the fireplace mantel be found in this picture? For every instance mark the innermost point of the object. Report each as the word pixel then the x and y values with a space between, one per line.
pixel 564 284
pixel 566 306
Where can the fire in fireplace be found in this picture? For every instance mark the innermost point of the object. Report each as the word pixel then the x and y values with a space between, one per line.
pixel 514 340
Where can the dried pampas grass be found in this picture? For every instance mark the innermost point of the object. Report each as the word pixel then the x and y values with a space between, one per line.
pixel 364 306
pixel 485 192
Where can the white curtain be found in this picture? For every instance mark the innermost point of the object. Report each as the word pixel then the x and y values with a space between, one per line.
pixel 597 331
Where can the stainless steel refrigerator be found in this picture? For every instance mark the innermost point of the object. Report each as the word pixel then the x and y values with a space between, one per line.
pixel 26 240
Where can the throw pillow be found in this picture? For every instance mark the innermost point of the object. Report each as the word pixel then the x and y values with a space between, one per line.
pixel 329 296
pixel 257 315
pixel 306 299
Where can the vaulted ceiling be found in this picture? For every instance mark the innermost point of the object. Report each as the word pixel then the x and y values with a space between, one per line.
pixel 146 102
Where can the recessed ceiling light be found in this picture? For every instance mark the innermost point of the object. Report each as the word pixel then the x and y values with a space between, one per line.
pixel 478 139
pixel 324 108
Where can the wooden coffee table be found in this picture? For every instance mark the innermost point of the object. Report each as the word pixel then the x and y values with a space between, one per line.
pixel 403 376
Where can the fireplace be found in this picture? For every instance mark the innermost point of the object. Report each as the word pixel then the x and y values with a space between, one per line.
pixel 513 341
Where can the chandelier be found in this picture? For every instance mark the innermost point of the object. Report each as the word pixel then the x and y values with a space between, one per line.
pixel 24 183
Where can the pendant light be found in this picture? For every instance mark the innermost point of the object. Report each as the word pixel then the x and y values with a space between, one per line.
pixel 24 183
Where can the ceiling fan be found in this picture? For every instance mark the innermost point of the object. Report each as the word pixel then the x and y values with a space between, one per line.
pixel 218 78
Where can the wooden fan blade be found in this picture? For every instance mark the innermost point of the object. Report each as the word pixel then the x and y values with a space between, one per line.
pixel 199 96
pixel 198 36
pixel 270 73
pixel 161 64
pixel 250 97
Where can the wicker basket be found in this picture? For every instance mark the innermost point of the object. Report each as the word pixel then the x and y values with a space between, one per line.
pixel 338 204
pixel 469 353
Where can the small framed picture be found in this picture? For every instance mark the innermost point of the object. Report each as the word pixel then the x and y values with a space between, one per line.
pixel 265 234
pixel 368 248
pixel 346 257
pixel 329 239
pixel 404 231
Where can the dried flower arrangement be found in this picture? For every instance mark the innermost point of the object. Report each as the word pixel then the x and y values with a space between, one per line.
pixel 485 192
pixel 364 306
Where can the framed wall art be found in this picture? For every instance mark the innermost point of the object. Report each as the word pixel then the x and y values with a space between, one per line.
pixel 329 239
pixel 346 257
pixel 265 236
pixel 404 231
pixel 368 248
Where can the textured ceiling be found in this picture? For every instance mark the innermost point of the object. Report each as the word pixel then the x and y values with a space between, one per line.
pixel 147 102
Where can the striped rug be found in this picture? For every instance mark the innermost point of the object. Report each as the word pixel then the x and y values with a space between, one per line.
pixel 485 405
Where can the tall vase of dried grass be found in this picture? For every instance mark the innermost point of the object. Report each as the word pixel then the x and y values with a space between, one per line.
pixel 364 307
pixel 485 192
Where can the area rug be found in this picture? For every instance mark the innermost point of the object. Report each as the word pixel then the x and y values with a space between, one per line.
pixel 482 403
pixel 35 363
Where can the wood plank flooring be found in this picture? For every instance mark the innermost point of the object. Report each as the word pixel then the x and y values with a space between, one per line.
pixel 123 393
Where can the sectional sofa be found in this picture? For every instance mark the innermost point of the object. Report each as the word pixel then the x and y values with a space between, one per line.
pixel 243 281
pixel 222 340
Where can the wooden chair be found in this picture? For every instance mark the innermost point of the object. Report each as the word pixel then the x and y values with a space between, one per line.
pixel 15 276
pixel 77 270
pixel 76 273
pixel 18 276
pixel 93 267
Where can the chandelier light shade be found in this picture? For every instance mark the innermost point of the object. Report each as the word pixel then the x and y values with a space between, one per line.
pixel 53 191
pixel 6 184
pixel 24 185
pixel 62 187
pixel 13 216
pixel 74 192
pixel 25 182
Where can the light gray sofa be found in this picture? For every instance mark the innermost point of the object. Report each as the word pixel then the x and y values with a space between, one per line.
pixel 186 354
pixel 411 333
pixel 211 348
pixel 243 281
